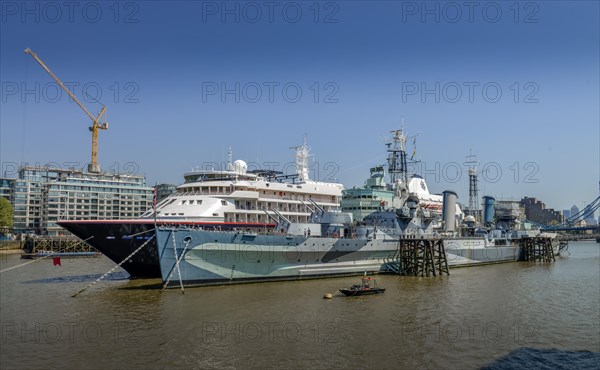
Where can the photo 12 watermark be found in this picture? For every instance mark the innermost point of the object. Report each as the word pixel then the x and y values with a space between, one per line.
pixel 268 332
pixel 469 92
pixel 276 171
pixel 487 172
pixel 126 92
pixel 51 12
pixel 449 12
pixel 50 332
pixel 249 12
pixel 469 332
pixel 12 169
pixel 270 92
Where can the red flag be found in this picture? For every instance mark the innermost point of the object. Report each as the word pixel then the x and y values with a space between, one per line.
pixel 56 260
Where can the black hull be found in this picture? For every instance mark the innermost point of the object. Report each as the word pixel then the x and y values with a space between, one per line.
pixel 114 240
pixel 353 292
pixel 117 239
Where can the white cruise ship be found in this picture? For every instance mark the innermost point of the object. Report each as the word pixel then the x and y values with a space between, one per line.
pixel 236 195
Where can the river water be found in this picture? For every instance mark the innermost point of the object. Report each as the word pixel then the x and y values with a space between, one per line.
pixel 465 320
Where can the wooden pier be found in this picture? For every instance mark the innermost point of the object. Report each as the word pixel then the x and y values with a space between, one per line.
pixel 66 246
pixel 538 249
pixel 419 257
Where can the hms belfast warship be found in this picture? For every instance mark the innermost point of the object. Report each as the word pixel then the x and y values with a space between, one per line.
pixel 328 244
pixel 233 198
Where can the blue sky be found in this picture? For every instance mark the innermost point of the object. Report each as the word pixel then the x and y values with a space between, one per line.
pixel 517 83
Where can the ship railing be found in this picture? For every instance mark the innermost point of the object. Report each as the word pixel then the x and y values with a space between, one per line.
pixel 199 228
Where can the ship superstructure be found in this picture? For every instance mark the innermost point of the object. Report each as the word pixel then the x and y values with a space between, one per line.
pixel 378 194
pixel 237 195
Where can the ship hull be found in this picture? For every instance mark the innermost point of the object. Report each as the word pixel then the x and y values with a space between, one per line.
pixel 207 258
pixel 117 239
pixel 476 251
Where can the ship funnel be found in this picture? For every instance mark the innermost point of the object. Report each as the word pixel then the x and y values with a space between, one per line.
pixel 449 210
pixel 488 209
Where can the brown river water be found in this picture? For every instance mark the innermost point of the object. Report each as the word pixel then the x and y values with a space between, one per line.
pixel 465 320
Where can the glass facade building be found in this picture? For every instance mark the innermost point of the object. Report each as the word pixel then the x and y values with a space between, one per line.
pixel 43 195
pixel 6 188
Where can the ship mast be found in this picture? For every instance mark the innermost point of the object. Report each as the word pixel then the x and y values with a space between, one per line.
pixel 302 153
pixel 397 167
pixel 229 159
pixel 473 191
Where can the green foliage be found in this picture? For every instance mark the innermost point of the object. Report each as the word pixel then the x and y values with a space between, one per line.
pixel 6 213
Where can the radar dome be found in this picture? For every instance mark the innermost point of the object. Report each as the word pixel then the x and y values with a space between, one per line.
pixel 240 166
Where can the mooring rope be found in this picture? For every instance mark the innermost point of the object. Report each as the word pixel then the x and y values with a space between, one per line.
pixel 177 259
pixel 41 258
pixel 27 263
pixel 114 268
pixel 172 270
pixel 140 233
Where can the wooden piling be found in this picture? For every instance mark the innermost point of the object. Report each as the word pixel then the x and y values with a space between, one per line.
pixel 420 257
pixel 537 249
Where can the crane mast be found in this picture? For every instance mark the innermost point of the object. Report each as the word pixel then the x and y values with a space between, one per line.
pixel 96 125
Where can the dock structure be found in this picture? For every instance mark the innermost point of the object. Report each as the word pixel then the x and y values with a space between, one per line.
pixel 419 257
pixel 60 245
pixel 538 249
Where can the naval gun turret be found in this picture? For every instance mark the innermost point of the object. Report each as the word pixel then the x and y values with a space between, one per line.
pixel 330 224
pixel 321 223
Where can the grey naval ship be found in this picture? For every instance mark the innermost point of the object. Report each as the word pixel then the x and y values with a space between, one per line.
pixel 329 243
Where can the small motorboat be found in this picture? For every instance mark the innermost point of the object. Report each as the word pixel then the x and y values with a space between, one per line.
pixel 368 286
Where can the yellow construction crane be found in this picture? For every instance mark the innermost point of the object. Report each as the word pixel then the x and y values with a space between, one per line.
pixel 96 125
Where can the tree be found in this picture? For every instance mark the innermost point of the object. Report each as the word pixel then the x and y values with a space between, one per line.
pixel 6 214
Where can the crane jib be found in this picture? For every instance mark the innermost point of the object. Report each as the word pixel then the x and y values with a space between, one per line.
pixel 96 125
